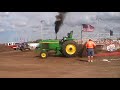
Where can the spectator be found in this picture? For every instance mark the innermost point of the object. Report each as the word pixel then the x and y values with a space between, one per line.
pixel 90 45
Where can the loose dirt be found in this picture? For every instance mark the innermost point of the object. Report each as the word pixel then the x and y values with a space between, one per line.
pixel 17 64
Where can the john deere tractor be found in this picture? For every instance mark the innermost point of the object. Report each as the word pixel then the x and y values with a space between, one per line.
pixel 66 46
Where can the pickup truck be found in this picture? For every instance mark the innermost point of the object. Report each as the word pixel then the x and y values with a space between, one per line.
pixel 24 46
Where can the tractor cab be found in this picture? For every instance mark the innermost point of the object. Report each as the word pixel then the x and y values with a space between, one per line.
pixel 68 37
pixel 70 34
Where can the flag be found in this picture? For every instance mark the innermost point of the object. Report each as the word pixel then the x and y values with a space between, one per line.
pixel 87 28
pixel 111 33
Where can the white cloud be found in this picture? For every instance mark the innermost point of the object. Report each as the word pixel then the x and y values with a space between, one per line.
pixel 2 30
pixel 29 21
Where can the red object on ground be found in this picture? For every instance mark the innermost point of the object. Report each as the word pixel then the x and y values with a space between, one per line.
pixel 109 54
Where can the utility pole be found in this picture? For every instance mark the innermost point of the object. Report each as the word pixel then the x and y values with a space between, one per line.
pixel 81 34
pixel 42 28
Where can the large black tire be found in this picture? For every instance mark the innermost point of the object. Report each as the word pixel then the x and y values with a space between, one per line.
pixel 70 48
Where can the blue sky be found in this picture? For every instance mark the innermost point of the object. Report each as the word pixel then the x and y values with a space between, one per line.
pixel 26 25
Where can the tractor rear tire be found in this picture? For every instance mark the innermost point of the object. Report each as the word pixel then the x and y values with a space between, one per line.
pixel 70 48
pixel 43 54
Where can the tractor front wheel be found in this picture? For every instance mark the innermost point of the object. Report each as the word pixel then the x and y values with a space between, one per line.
pixel 43 55
pixel 70 48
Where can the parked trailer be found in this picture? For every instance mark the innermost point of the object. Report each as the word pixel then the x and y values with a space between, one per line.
pixel 33 45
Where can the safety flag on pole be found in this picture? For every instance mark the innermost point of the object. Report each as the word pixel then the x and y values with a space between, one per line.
pixel 87 28
pixel 111 33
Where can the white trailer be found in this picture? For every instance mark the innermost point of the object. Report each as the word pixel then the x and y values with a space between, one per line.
pixel 33 45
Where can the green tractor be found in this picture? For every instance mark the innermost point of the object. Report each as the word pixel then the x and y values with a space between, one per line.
pixel 67 46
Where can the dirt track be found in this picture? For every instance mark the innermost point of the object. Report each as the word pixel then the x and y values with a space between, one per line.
pixel 19 64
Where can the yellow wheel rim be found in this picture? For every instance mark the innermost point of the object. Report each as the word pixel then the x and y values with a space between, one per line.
pixel 70 49
pixel 43 55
